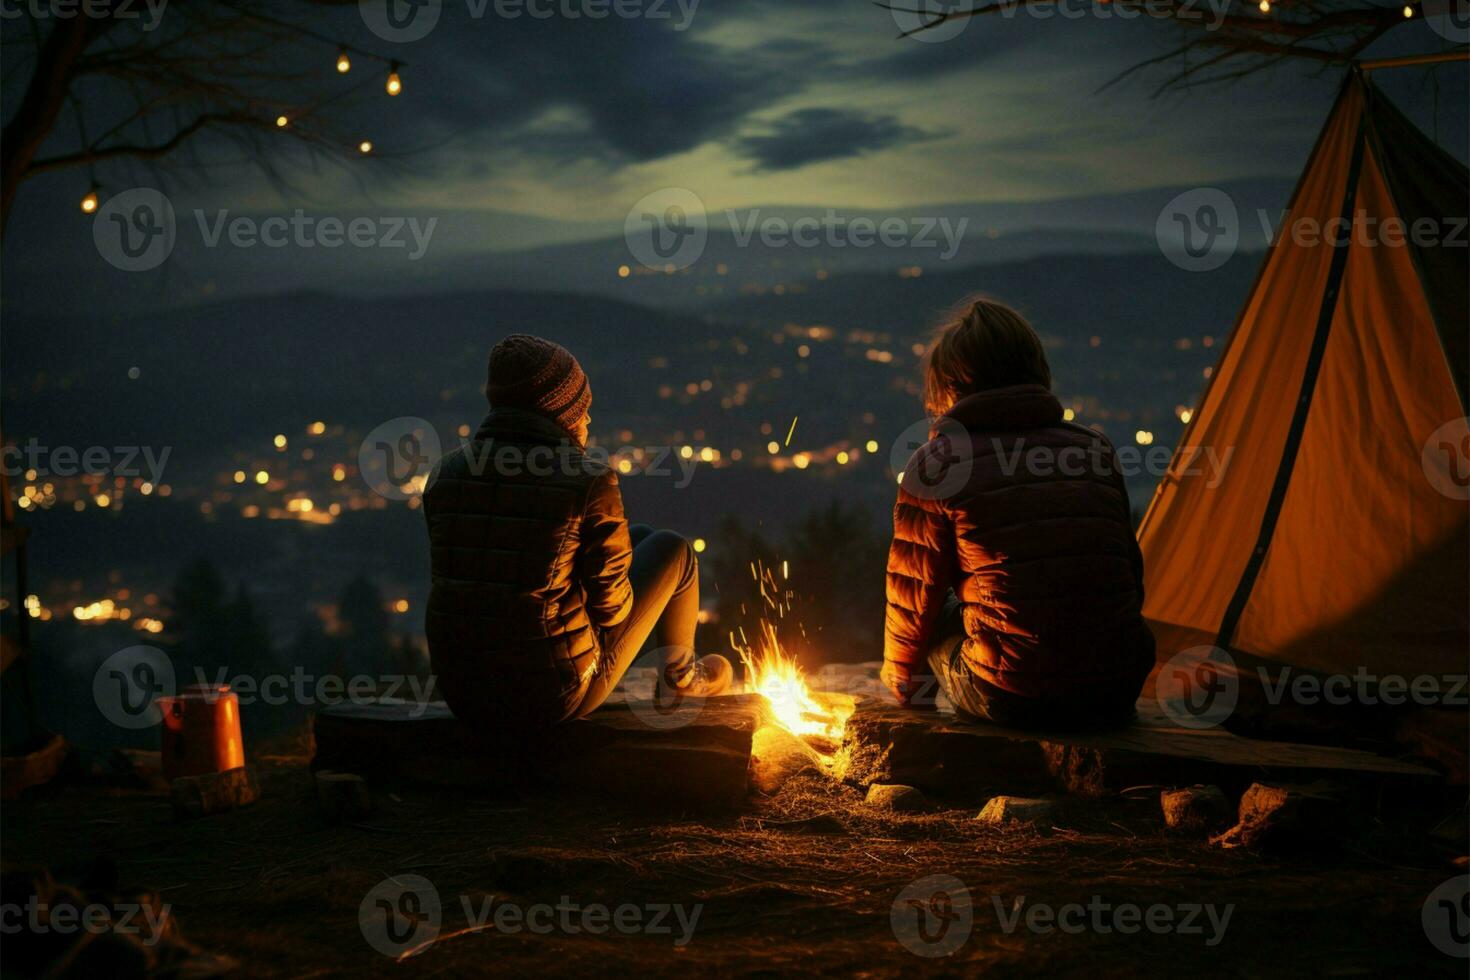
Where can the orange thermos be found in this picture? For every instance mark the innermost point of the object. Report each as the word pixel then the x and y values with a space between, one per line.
pixel 201 731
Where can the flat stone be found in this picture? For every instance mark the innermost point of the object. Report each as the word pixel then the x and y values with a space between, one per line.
pixel 947 756
pixel 1196 808
pixel 899 799
pixel 215 792
pixel 697 756
pixel 1286 817
pixel 1003 811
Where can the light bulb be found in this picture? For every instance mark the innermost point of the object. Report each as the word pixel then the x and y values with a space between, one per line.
pixel 1265 6
pixel 343 64
pixel 89 203
pixel 281 122
pixel 366 146
pixel 1408 12
pixel 395 84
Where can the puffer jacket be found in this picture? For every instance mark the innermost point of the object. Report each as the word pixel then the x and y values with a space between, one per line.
pixel 1026 517
pixel 530 552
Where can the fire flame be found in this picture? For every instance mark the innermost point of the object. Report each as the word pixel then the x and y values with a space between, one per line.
pixel 771 673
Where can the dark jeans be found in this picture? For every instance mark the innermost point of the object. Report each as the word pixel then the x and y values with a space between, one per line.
pixel 665 579
pixel 977 699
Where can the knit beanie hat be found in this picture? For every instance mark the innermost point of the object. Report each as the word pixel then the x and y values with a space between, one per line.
pixel 540 375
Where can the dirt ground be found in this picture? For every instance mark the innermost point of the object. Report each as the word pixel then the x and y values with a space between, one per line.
pixel 805 881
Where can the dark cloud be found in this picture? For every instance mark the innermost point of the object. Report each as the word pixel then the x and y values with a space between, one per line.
pixel 813 135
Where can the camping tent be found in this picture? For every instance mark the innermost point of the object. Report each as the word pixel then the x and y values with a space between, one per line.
pixel 1336 540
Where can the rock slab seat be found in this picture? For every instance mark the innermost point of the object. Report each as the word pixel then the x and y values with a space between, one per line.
pixel 697 756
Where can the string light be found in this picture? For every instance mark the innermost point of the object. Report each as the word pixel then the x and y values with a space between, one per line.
pixel 344 64
pixel 1408 12
pixel 1265 6
pixel 89 202
pixel 395 84
pixel 282 122
pixel 366 146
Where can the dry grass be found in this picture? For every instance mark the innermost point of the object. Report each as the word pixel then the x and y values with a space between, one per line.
pixel 802 882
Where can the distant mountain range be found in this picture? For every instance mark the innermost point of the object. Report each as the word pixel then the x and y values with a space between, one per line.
pixel 477 250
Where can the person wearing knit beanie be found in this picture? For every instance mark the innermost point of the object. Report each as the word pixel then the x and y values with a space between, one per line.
pixel 541 376
pixel 542 593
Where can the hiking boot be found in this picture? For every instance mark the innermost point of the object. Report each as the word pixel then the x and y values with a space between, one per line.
pixel 708 677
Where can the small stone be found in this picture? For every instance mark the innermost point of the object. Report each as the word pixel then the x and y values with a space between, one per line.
pixel 1005 810
pixel 1273 816
pixel 215 792
pixel 892 796
pixel 1195 808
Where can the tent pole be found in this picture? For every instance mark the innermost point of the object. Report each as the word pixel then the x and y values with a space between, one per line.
pixel 1462 54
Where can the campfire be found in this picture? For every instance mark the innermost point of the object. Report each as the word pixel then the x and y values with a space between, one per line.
pixel 776 676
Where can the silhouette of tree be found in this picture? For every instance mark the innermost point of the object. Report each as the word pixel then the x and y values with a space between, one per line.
pixel 827 572
pixel 366 640
pixel 146 89
pixel 1220 47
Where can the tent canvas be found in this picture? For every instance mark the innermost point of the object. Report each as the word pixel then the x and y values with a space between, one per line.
pixel 1338 538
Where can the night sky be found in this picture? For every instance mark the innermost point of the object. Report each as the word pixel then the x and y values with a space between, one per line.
pixel 751 102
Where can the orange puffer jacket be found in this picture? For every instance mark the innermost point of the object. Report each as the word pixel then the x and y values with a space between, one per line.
pixel 1026 518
